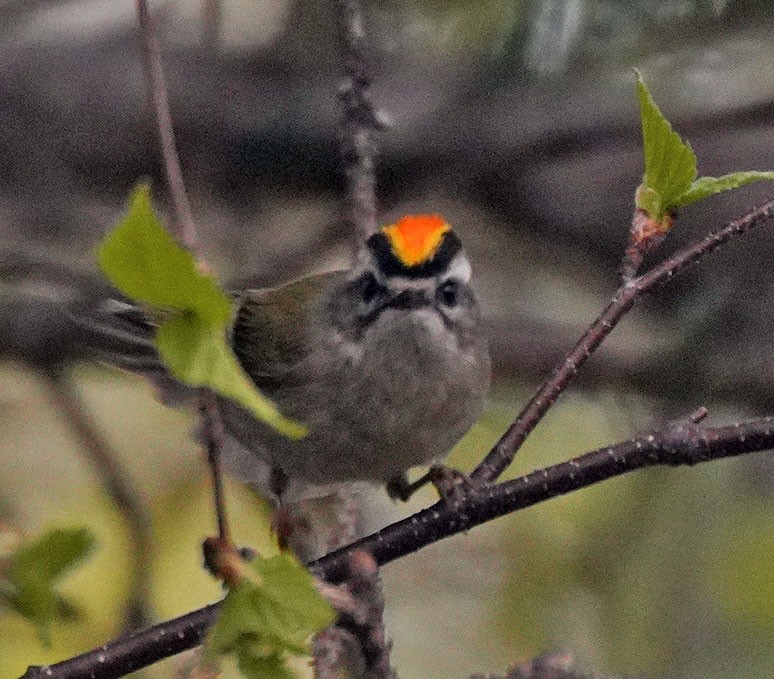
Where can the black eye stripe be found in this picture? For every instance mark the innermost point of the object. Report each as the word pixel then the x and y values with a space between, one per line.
pixel 448 293
pixel 369 288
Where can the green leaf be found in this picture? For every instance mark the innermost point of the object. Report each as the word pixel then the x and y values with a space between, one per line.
pixel 32 571
pixel 273 610
pixel 709 186
pixel 53 553
pixel 670 164
pixel 143 261
pixel 198 354
pixel 256 666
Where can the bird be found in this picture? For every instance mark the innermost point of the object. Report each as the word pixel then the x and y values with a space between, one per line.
pixel 386 364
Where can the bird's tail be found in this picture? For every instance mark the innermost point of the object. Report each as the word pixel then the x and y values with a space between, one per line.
pixel 50 314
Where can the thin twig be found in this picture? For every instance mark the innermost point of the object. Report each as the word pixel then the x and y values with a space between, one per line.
pixel 212 432
pixel 212 425
pixel 186 230
pixel 682 444
pixel 501 456
pixel 359 122
pixel 115 482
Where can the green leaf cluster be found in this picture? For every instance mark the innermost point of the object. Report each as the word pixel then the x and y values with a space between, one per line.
pixel 670 180
pixel 145 263
pixel 29 575
pixel 272 612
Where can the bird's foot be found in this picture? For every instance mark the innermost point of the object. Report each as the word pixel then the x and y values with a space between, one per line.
pixel 451 484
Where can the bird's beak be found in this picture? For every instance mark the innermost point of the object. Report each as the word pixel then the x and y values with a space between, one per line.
pixel 408 299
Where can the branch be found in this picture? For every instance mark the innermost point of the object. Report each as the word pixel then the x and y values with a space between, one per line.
pixel 359 121
pixel 186 230
pixel 134 651
pixel 674 446
pixel 116 484
pixel 212 425
pixel 679 444
pixel 502 454
pixel 359 629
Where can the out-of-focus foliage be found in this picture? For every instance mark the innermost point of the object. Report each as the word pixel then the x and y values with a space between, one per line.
pixel 29 575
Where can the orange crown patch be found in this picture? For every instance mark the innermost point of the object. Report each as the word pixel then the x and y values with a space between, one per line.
pixel 414 239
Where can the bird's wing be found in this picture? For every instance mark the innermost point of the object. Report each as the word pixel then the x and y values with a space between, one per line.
pixel 269 335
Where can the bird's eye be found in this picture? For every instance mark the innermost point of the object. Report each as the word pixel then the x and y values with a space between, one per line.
pixel 448 293
pixel 370 288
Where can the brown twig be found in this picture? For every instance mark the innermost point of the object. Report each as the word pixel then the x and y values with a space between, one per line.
pixel 212 425
pixel 359 122
pixel 213 25
pixel 186 230
pixel 115 482
pixel 501 456
pixel 213 435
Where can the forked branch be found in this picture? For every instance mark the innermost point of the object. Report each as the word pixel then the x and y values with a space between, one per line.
pixel 504 451
pixel 681 444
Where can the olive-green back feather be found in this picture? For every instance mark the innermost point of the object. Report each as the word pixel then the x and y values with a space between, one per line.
pixel 270 334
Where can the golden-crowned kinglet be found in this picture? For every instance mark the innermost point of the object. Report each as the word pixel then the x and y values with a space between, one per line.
pixel 386 364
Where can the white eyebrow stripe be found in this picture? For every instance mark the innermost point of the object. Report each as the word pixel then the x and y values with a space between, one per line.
pixel 459 268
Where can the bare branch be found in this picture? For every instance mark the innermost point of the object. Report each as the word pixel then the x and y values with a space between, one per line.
pixel 683 443
pixel 502 454
pixel 134 651
pixel 213 25
pixel 549 666
pixel 213 435
pixel 186 230
pixel 212 425
pixel 359 630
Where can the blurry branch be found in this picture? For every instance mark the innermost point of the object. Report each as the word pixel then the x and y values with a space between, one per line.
pixel 681 443
pixel 548 666
pixel 357 640
pixel 115 482
pixel 358 124
pixel 503 453
pixel 185 230
pixel 213 25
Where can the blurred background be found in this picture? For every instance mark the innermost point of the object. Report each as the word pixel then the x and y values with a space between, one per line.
pixel 515 120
